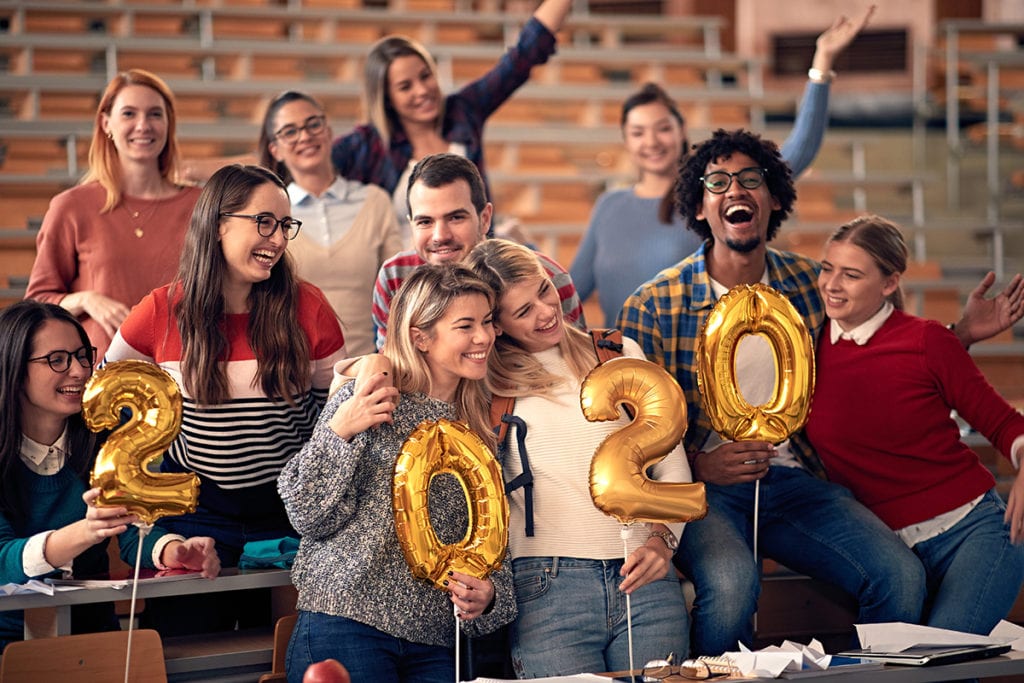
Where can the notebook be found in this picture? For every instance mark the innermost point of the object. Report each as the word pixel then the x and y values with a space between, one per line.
pixel 927 655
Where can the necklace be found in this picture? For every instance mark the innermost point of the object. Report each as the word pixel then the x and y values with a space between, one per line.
pixel 133 214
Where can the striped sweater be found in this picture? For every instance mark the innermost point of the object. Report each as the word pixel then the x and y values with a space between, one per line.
pixel 240 446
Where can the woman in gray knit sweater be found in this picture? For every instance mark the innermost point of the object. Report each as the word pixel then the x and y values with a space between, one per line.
pixel 358 602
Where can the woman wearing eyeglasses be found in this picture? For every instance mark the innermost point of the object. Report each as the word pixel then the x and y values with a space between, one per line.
pixel 107 242
pixel 349 229
pixel 252 349
pixel 48 519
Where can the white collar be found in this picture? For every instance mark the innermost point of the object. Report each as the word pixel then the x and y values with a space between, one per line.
pixel 336 190
pixel 863 332
pixel 719 290
pixel 34 452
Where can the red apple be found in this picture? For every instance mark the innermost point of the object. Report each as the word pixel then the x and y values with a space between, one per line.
pixel 327 671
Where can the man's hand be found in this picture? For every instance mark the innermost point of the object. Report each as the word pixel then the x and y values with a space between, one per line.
pixel 736 462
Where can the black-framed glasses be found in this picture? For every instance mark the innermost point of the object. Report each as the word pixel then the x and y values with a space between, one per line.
pixel 60 361
pixel 314 125
pixel 690 669
pixel 266 225
pixel 718 182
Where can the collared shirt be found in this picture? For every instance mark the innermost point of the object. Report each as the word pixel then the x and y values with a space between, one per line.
pixel 667 314
pixel 326 219
pixel 863 332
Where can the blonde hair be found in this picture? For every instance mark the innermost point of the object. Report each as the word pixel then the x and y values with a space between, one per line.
pixel 511 369
pixel 420 302
pixel 378 105
pixel 883 242
pixel 103 159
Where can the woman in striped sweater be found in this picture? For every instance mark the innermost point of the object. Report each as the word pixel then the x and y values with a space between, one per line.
pixel 252 348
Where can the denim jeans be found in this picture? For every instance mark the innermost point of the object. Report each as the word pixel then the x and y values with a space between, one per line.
pixel 573 618
pixel 974 572
pixel 371 656
pixel 811 526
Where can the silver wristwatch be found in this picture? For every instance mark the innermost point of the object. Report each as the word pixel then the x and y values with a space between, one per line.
pixel 670 538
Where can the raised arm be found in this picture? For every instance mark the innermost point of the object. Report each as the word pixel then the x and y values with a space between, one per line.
pixel 552 14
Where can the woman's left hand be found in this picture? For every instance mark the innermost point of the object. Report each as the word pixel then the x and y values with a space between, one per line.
pixel 196 553
pixel 471 595
pixel 647 563
pixel 1015 508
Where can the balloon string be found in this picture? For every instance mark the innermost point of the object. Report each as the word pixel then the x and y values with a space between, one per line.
pixel 144 530
pixel 757 504
pixel 625 533
pixel 455 611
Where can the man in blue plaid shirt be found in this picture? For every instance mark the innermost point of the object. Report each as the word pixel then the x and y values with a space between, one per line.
pixel 736 190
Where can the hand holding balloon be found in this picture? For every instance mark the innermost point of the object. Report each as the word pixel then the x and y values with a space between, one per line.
pixel 734 462
pixel 647 563
pixel 470 594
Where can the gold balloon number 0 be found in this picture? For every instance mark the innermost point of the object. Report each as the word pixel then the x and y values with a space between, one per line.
pixel 619 485
pixel 746 310
pixel 121 469
pixel 446 447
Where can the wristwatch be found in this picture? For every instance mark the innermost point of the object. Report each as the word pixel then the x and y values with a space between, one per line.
pixel 670 538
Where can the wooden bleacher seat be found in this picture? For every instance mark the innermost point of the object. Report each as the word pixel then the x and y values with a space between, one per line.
pixel 86 658
pixel 282 634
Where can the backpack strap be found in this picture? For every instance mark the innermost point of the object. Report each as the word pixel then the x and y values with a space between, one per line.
pixel 500 407
pixel 607 343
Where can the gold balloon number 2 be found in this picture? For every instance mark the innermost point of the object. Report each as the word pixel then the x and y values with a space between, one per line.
pixel 121 470
pixel 446 447
pixel 747 310
pixel 618 483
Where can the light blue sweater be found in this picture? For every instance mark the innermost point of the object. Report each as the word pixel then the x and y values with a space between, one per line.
pixel 626 244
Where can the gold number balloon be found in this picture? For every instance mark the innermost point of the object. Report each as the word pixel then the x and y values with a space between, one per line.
pixel 121 470
pixel 445 447
pixel 746 310
pixel 618 480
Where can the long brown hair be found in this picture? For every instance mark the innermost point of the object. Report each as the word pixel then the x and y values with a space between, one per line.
pixel 421 301
pixel 267 131
pixel 282 351
pixel 882 240
pixel 651 93
pixel 103 160
pixel 378 105
pixel 511 369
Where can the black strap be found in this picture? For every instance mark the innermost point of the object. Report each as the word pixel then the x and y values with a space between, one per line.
pixel 525 479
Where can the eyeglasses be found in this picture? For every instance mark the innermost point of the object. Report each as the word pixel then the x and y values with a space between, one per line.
pixel 690 669
pixel 718 182
pixel 314 125
pixel 60 361
pixel 266 225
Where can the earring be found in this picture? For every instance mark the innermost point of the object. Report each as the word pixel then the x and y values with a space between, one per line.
pixel 110 136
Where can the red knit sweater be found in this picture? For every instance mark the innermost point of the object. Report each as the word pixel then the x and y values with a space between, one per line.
pixel 880 420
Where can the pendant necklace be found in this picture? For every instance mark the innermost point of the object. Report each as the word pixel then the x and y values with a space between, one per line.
pixel 133 214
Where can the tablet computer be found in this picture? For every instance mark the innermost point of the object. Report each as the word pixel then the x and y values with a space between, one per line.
pixel 926 655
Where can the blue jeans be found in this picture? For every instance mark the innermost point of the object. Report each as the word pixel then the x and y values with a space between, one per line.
pixel 573 618
pixel 371 656
pixel 811 526
pixel 974 572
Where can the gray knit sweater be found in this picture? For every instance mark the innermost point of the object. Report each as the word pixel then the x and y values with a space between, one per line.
pixel 350 564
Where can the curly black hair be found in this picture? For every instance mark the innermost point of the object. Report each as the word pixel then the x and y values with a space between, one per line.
pixel 722 145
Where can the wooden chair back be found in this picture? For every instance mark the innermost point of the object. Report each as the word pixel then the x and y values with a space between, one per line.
pixel 282 634
pixel 85 658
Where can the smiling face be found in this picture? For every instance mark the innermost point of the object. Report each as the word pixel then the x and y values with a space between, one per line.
pixel 250 256
pixel 456 347
pixel 413 90
pixel 852 285
pixel 49 397
pixel 445 225
pixel 310 151
pixel 137 123
pixel 530 312
pixel 654 139
pixel 738 217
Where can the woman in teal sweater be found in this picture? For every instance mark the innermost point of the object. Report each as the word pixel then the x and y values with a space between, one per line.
pixel 48 520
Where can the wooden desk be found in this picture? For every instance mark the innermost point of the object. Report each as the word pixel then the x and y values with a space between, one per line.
pixel 1010 664
pixel 230 579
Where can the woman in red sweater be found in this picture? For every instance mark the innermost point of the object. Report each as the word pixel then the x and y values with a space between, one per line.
pixel 880 420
